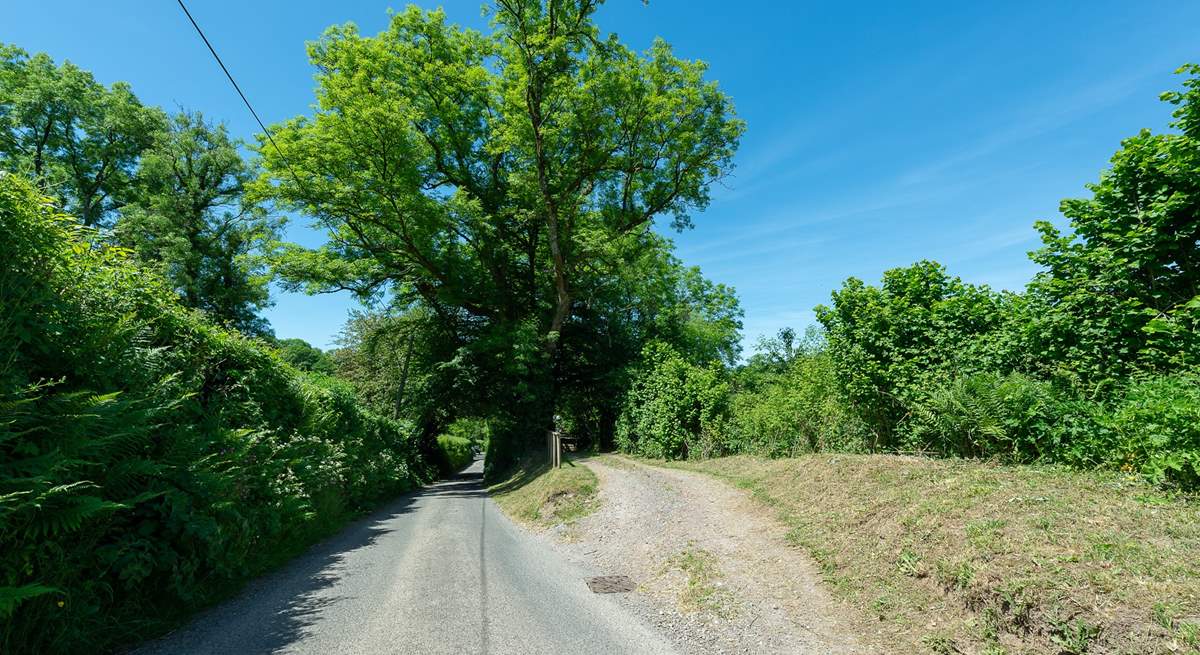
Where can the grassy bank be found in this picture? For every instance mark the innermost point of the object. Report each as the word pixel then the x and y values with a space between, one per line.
pixel 951 556
pixel 543 497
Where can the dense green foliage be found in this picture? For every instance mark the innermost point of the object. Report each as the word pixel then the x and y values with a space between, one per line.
pixel 891 342
pixel 1121 291
pixel 782 405
pixel 149 460
pixel 673 406
pixel 458 451
pixel 190 219
pixel 305 356
pixel 75 137
pixel 172 189
pixel 1093 365
pixel 496 187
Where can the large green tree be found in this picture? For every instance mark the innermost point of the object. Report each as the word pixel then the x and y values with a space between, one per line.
pixel 191 220
pixel 76 138
pixel 490 177
pixel 1121 287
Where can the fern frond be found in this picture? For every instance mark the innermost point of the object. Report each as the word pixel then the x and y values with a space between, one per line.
pixel 10 597
pixel 58 519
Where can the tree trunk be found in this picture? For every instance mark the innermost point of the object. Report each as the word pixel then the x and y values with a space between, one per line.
pixel 404 374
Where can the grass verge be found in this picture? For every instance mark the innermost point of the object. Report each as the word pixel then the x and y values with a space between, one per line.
pixel 952 556
pixel 543 497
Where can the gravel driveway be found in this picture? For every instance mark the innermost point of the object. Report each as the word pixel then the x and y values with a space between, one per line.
pixel 715 572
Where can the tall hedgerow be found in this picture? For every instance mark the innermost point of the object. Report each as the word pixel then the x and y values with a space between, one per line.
pixel 674 408
pixel 151 461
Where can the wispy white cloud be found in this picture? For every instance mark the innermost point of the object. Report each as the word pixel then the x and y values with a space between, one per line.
pixel 988 243
pixel 717 253
pixel 797 215
pixel 763 171
pixel 1043 116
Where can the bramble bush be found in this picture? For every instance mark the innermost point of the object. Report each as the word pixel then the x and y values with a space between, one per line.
pixel 150 461
pixel 1153 428
pixel 797 411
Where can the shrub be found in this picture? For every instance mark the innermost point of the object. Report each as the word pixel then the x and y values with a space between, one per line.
pixel 797 412
pixel 1153 429
pixel 886 342
pixel 458 452
pixel 674 409
pixel 150 461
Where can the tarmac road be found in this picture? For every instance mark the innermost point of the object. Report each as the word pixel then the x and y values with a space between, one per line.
pixel 439 570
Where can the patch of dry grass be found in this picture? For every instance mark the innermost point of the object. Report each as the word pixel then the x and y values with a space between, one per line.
pixel 544 497
pixel 703 587
pixel 966 557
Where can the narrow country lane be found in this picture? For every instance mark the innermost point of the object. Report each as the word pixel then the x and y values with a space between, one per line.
pixel 440 570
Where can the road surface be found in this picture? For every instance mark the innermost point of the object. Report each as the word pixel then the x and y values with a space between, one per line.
pixel 439 570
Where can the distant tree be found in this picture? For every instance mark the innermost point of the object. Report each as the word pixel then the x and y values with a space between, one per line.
pixel 192 220
pixel 775 354
pixel 709 319
pixel 77 139
pixel 305 356
pixel 405 362
pixel 1121 288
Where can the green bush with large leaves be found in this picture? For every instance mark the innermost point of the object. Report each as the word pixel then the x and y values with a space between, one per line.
pixel 891 343
pixel 1120 292
pixel 674 408
pixel 1152 429
pixel 151 461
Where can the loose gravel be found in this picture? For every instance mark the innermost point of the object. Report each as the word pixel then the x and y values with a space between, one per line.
pixel 714 571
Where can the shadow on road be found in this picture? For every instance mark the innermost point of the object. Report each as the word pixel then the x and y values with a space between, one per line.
pixel 276 610
pixel 468 484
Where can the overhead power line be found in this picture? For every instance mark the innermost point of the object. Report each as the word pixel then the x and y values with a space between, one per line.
pixel 239 90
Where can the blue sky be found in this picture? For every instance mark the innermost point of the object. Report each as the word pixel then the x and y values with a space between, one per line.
pixel 879 133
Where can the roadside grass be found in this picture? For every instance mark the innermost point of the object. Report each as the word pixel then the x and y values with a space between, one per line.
pixel 622 462
pixel 953 556
pixel 540 496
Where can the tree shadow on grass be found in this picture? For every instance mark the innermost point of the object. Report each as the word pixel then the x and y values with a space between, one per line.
pixel 527 471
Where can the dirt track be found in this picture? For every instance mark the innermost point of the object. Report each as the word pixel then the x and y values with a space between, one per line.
pixel 749 592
